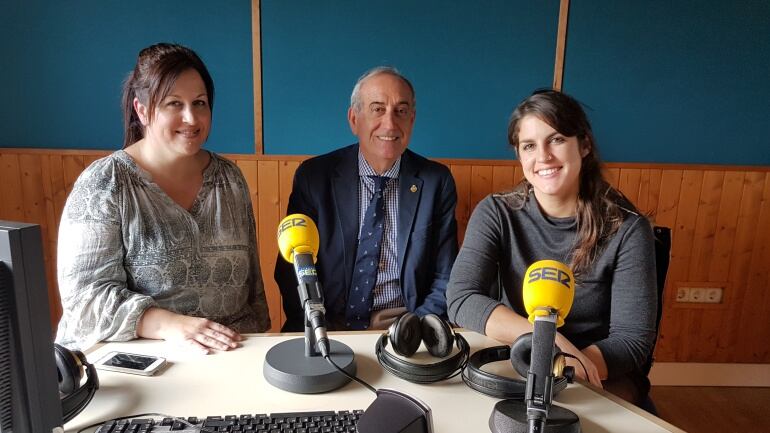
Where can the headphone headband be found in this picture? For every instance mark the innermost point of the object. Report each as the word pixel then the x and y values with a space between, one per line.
pixel 493 384
pixel 70 366
pixel 423 373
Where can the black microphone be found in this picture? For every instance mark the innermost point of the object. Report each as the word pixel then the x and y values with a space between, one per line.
pixel 548 292
pixel 298 241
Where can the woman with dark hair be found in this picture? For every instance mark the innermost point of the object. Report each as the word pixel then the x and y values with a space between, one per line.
pixel 158 240
pixel 563 210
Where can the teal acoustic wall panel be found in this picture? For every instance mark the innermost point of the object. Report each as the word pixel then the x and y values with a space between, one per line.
pixel 673 81
pixel 68 60
pixel 470 63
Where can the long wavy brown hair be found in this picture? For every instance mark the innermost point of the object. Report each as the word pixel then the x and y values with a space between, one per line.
pixel 599 206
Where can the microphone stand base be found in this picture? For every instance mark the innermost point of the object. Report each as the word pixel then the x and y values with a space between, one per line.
pixel 286 367
pixel 511 416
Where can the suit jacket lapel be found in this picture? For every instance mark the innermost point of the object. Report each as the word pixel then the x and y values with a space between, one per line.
pixel 409 192
pixel 345 185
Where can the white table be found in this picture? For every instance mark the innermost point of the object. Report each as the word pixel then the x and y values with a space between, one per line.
pixel 232 383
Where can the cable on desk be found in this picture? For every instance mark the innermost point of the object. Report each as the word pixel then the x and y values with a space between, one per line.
pixel 369 387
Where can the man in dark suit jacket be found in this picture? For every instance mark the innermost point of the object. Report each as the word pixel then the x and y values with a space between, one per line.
pixel 420 241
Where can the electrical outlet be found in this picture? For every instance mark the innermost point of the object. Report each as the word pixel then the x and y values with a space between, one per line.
pixel 682 294
pixel 700 294
pixel 697 294
pixel 713 295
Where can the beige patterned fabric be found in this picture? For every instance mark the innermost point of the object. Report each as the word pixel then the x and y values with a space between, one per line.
pixel 124 246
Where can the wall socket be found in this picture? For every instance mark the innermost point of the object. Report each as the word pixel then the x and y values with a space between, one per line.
pixel 682 294
pixel 714 295
pixel 699 295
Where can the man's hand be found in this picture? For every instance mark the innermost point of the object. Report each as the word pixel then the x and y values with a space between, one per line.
pixel 196 332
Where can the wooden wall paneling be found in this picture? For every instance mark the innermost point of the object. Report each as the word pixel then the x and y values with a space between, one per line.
pixel 518 174
pixel 58 187
pixel 51 226
pixel 727 221
pixel 250 170
pixel 59 198
pixel 628 183
pixel 668 198
pixel 705 225
pixel 612 175
pixel 73 165
pixel 33 199
pixel 653 191
pixel 286 181
pixel 89 159
pixel 2 184
pixel 462 176
pixel 754 318
pixel 740 262
pixel 762 331
pixel 700 260
pixel 269 217
pixel 719 216
pixel 502 178
pixel 716 269
pixel 687 213
pixel 649 191
pixel 642 200
pixel 286 171
pixel 481 184
pixel 10 182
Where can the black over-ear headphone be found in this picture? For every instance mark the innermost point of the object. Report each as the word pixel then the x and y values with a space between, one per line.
pixel 70 366
pixel 405 336
pixel 519 354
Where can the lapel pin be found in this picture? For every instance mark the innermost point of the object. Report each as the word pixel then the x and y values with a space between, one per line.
pixel 413 188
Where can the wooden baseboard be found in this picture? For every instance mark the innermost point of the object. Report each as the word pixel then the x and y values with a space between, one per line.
pixel 709 374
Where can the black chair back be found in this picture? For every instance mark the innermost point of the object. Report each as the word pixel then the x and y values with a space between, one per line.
pixel 662 260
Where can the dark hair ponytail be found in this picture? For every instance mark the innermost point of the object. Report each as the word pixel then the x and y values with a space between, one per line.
pixel 157 69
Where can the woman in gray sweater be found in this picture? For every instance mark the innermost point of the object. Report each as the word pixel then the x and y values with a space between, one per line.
pixel 563 210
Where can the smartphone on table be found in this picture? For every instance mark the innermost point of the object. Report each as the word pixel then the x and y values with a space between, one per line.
pixel 145 365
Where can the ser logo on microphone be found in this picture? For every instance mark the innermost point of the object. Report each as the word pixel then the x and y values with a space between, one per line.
pixel 550 273
pixel 288 223
pixel 306 271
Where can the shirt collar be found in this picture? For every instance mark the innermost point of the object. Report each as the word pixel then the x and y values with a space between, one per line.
pixel 364 169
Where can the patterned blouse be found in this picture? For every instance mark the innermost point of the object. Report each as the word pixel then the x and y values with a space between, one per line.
pixel 125 246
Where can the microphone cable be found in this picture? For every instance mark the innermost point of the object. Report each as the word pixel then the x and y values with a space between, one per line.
pixel 361 381
pixel 569 355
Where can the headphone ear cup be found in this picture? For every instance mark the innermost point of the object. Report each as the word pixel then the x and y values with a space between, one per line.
pixel 405 335
pixel 67 369
pixel 521 354
pixel 437 335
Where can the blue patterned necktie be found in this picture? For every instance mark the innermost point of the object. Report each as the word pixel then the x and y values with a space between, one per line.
pixel 360 298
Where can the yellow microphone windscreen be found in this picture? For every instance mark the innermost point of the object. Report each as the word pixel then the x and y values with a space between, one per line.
pixel 548 284
pixel 297 233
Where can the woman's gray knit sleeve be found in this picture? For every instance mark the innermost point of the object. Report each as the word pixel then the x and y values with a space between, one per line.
pixel 475 270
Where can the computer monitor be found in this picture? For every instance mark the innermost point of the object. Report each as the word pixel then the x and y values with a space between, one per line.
pixel 29 393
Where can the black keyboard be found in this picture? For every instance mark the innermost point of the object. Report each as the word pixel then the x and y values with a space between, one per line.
pixel 290 422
